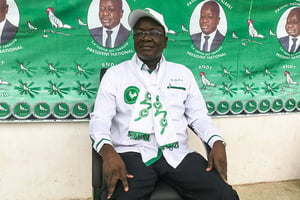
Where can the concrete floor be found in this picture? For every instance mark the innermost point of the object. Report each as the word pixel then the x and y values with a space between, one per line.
pixel 284 190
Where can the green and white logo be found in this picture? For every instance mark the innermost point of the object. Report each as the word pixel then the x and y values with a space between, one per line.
pixel 277 105
pixel 80 110
pixel 210 107
pixel 61 110
pixel 41 110
pixel 4 110
pixel 290 104
pixel 264 106
pixel 22 110
pixel 223 107
pixel 237 107
pixel 251 106
pixel 131 94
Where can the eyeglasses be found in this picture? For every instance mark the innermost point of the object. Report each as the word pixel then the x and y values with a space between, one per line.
pixel 152 33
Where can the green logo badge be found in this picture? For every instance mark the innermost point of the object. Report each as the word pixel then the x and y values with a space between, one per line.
pixel 290 104
pixel 4 110
pixel 277 105
pixel 41 110
pixel 80 110
pixel 264 106
pixel 223 107
pixel 210 107
pixel 131 94
pixel 22 110
pixel 237 107
pixel 250 106
pixel 61 110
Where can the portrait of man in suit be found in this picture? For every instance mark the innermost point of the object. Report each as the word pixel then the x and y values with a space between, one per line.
pixel 291 41
pixel 7 29
pixel 111 33
pixel 209 38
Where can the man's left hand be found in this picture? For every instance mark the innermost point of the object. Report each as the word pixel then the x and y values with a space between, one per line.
pixel 217 159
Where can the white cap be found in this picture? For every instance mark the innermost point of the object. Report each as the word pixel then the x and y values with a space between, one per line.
pixel 148 12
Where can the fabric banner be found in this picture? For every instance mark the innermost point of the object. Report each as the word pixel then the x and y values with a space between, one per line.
pixel 51 53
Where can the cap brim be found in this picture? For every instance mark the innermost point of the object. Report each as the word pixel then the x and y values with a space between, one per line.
pixel 137 14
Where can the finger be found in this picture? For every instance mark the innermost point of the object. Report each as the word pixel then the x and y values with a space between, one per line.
pixel 209 163
pixel 111 184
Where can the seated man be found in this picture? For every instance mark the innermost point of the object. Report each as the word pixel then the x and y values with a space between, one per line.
pixel 139 124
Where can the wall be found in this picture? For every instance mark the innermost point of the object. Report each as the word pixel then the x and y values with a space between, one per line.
pixel 52 160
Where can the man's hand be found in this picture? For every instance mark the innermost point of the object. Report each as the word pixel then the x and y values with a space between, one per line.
pixel 217 159
pixel 114 169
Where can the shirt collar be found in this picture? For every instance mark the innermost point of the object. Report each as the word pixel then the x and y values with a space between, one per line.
pixel 143 66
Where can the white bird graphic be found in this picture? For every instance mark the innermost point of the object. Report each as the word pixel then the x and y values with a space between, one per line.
pixel 2 82
pixel 271 32
pixel 2 108
pixel 30 26
pixel 252 31
pixel 80 22
pixel 132 94
pixel 42 108
pixel 61 108
pixel 289 79
pixel 22 108
pixel 205 81
pixel 55 21
pixel 234 35
pixel 183 28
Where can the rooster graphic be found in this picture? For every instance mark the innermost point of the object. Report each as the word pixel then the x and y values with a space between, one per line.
pixel 55 21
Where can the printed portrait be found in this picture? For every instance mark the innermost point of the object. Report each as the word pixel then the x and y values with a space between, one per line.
pixel 9 20
pixel 108 22
pixel 288 30
pixel 208 26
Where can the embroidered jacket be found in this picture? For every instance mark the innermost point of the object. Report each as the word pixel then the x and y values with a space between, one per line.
pixel 116 100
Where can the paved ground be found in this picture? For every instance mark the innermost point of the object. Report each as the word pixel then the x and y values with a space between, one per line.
pixel 285 190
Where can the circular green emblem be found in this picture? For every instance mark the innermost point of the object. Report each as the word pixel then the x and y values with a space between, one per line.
pixel 22 110
pixel 80 110
pixel 290 105
pixel 61 110
pixel 4 110
pixel 264 106
pixel 250 106
pixel 41 110
pixel 237 107
pixel 277 105
pixel 298 105
pixel 210 107
pixel 223 107
pixel 131 94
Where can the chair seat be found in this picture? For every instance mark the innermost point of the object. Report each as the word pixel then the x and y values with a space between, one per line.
pixel 164 191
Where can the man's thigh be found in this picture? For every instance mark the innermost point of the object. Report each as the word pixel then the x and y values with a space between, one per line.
pixel 192 181
pixel 141 186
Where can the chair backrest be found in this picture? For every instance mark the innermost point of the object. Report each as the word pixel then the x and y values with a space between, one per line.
pixel 162 190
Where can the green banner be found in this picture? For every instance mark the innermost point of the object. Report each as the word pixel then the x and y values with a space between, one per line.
pixel 50 59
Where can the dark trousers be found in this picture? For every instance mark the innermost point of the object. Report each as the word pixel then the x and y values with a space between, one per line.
pixel 190 179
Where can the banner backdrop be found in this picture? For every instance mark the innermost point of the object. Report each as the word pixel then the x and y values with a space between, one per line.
pixel 50 59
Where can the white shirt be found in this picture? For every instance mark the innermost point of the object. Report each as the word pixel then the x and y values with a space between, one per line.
pixel 115 31
pixel 210 39
pixel 110 120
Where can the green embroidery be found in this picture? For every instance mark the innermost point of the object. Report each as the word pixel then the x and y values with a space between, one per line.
pixel 145 112
pixel 175 87
pixel 163 122
pixel 138 136
pixel 131 94
pixel 170 146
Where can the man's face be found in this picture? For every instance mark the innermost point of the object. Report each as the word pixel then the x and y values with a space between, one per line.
pixel 149 47
pixel 110 13
pixel 3 10
pixel 292 25
pixel 209 20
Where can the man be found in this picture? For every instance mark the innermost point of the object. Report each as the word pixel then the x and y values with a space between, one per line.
pixel 291 42
pixel 210 38
pixel 139 124
pixel 7 29
pixel 112 33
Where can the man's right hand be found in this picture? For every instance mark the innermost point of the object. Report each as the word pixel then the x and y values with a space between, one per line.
pixel 114 169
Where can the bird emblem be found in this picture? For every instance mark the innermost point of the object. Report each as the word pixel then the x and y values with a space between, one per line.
pixel 289 79
pixel 252 31
pixel 205 81
pixel 30 26
pixel 55 21
pixel 80 22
